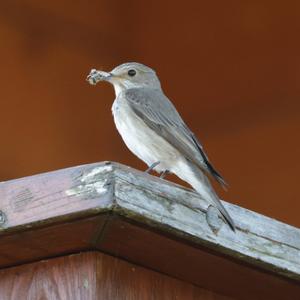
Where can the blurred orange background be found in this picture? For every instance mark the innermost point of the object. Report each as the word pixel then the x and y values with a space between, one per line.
pixel 232 68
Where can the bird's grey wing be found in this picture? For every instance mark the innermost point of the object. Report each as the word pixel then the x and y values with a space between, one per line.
pixel 157 111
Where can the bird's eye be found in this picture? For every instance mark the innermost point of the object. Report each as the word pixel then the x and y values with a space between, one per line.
pixel 131 72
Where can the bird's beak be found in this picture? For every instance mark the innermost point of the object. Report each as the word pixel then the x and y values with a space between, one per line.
pixel 95 76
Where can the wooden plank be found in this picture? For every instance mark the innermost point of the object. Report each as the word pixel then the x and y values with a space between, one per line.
pixel 55 196
pixel 79 209
pixel 194 264
pixel 258 240
pixel 49 241
pixel 91 276
pixel 53 213
pixel 69 277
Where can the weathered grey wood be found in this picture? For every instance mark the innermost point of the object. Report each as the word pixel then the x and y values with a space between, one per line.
pixel 42 198
pixel 97 188
pixel 258 240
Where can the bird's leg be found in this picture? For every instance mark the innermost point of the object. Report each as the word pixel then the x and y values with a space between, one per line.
pixel 152 167
pixel 164 174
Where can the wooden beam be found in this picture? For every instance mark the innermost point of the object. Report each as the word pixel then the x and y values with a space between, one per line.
pixel 259 240
pixel 94 275
pixel 149 221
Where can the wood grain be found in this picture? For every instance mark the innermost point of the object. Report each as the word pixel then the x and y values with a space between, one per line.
pixel 258 240
pixel 60 194
pixel 93 275
pixel 58 239
pixel 149 221
pixel 194 264
pixel 69 277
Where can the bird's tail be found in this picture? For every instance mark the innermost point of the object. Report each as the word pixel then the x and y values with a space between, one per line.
pixel 198 180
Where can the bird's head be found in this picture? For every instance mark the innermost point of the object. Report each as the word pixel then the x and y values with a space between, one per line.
pixel 127 76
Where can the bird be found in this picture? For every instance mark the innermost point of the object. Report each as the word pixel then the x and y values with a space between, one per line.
pixel 153 130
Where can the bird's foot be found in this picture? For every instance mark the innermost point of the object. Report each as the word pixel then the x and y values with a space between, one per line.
pixel 164 174
pixel 152 167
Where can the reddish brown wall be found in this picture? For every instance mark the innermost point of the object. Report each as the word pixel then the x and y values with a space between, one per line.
pixel 231 67
pixel 94 276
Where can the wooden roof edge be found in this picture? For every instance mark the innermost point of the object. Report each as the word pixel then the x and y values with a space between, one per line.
pixel 88 190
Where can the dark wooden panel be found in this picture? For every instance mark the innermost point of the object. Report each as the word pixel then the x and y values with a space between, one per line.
pixel 32 245
pixel 192 264
pixel 93 275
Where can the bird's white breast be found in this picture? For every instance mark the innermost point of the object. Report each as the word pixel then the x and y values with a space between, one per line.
pixel 140 139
